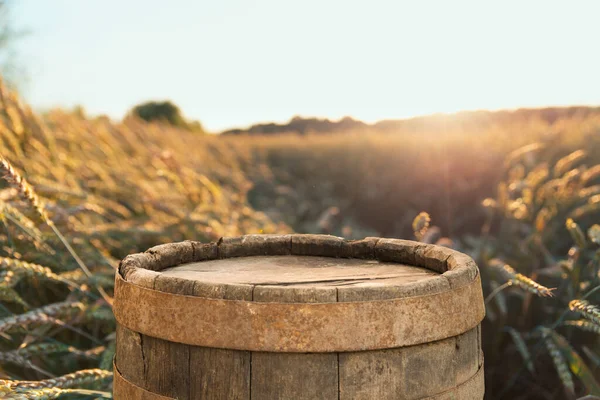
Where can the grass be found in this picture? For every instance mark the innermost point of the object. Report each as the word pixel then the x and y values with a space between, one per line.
pixel 79 194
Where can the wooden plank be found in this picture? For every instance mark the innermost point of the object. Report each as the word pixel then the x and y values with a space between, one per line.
pixel 294 375
pixel 286 294
pixel 397 250
pixel 294 294
pixel 364 248
pixel 433 257
pixel 429 369
pixel 382 374
pixel 473 389
pixel 171 254
pixel 254 245
pixel 367 375
pixel 129 357
pixel 317 245
pixel 467 355
pixel 295 270
pixel 167 364
pixel 424 287
pixel 413 372
pixel 220 374
pixel 479 346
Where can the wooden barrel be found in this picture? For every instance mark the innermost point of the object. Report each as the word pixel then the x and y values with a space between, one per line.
pixel 263 317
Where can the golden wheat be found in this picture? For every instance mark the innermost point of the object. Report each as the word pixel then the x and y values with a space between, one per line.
pixel 520 280
pixel 42 314
pixel 420 225
pixel 584 325
pixel 586 309
pixel 79 378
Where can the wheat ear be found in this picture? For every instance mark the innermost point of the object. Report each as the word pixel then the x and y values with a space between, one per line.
pixel 26 190
pixel 586 309
pixel 80 378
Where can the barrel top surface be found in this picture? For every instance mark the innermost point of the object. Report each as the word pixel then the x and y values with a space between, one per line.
pixel 294 271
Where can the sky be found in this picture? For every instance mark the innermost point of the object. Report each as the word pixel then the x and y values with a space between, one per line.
pixel 232 63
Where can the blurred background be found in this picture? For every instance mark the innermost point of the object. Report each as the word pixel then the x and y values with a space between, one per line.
pixel 472 125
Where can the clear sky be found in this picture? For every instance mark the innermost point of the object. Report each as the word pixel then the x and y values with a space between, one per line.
pixel 236 62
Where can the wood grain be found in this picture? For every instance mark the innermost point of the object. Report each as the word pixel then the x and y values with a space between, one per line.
pixel 371 375
pixel 294 270
pixel 129 356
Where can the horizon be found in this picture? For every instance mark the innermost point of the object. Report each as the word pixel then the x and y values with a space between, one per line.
pixel 434 114
pixel 232 65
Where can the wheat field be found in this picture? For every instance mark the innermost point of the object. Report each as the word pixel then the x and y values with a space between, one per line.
pixel 79 194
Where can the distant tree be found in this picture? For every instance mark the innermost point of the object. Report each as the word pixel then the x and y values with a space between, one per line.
pixel 166 112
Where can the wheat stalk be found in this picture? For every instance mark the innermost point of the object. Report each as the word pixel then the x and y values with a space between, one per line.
pixel 22 268
pixel 36 394
pixel 18 359
pixel 53 393
pixel 26 190
pixel 521 348
pixel 567 162
pixel 106 359
pixel 78 277
pixel 586 309
pixel 594 233
pixel 584 325
pixel 80 378
pixel 576 233
pixel 520 280
pixel 531 286
pixel 559 362
pixel 37 349
pixel 8 294
pixel 41 315
pixel 590 174
pixel 8 278
pixel 24 223
pixel 421 224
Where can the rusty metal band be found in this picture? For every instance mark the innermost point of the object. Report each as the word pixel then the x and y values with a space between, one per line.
pixel 471 389
pixel 298 327
pixel 125 390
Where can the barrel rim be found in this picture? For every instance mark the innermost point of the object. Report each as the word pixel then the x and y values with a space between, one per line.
pixel 455 268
